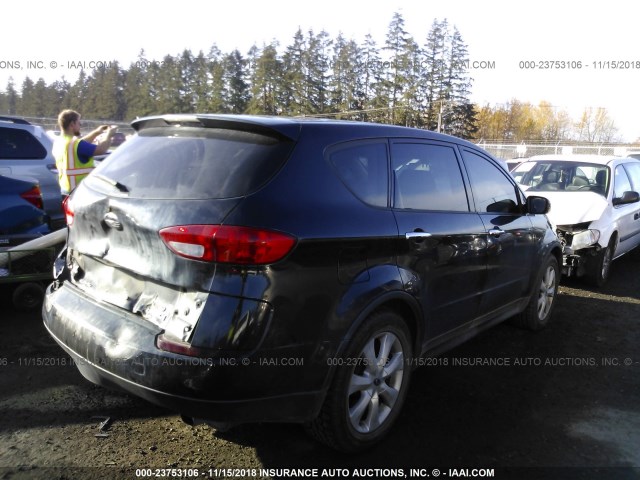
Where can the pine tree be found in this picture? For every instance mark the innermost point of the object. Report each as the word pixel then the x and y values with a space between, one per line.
pixel 411 76
pixel 105 93
pixel 294 87
pixel 11 98
pixel 372 83
pixel 461 119
pixel 57 97
pixel 236 92
pixel 316 67
pixel 401 48
pixel 137 90
pixel 200 84
pixel 185 64
pixel 168 85
pixel 346 88
pixel 266 82
pixel 433 75
pixel 39 95
pixel 77 93
pixel 216 100
pixel 28 105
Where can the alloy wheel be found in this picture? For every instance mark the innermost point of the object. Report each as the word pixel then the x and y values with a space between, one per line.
pixel 547 292
pixel 375 383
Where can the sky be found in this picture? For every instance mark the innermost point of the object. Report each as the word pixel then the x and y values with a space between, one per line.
pixel 572 54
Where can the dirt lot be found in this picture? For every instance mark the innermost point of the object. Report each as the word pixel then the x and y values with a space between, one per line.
pixel 561 403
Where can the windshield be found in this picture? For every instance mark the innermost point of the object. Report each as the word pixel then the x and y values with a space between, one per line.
pixel 546 176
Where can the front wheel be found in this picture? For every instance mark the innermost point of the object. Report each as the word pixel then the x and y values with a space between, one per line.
pixel 369 386
pixel 538 312
pixel 599 266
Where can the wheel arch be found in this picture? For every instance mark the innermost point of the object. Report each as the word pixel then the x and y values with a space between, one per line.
pixel 398 301
pixel 615 237
pixel 553 249
pixel 397 308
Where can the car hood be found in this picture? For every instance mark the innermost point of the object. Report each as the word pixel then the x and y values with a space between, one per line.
pixel 569 208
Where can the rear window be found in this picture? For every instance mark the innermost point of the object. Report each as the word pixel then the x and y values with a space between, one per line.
pixel 20 145
pixel 192 163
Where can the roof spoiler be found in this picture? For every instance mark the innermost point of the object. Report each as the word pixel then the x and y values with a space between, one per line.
pixel 280 128
pixel 16 120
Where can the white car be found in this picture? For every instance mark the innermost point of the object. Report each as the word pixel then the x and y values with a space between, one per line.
pixel 595 207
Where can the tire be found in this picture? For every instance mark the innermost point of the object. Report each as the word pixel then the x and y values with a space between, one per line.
pixel 28 296
pixel 599 266
pixel 540 307
pixel 369 387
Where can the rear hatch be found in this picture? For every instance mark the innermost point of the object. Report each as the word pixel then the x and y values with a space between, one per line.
pixel 177 173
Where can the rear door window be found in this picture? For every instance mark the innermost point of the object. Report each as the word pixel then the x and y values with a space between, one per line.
pixel 192 163
pixel 428 177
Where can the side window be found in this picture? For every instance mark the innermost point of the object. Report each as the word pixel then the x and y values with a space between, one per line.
pixel 633 169
pixel 427 177
pixel 363 169
pixel 621 182
pixel 20 144
pixel 492 190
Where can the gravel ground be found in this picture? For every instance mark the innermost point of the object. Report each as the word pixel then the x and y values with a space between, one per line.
pixel 561 403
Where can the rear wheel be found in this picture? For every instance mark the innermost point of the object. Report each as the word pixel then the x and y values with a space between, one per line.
pixel 599 266
pixel 538 312
pixel 28 296
pixel 369 386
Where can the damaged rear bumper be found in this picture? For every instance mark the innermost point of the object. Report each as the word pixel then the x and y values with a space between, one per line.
pixel 117 349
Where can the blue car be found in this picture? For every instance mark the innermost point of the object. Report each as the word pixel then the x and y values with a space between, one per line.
pixel 21 215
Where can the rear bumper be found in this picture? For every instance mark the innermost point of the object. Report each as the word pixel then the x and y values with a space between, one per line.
pixel 116 349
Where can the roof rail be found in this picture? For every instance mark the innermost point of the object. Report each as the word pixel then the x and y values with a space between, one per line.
pixel 16 120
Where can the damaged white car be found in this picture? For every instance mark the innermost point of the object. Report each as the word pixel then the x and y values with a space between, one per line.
pixel 595 207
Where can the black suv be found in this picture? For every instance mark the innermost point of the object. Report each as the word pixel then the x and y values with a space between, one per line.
pixel 246 269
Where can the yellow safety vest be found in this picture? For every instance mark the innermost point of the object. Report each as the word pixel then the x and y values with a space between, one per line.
pixel 70 170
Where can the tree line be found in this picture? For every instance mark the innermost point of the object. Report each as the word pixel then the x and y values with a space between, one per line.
pixel 515 122
pixel 423 84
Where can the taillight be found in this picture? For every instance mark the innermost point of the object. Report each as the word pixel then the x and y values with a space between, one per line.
pixel 227 244
pixel 34 197
pixel 68 211
pixel 176 346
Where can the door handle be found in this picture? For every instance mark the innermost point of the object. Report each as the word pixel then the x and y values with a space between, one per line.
pixel 416 235
pixel 496 232
pixel 636 216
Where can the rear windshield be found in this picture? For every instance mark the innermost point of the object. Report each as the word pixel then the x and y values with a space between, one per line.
pixel 191 163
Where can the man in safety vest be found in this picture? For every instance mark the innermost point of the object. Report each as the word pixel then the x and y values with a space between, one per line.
pixel 74 155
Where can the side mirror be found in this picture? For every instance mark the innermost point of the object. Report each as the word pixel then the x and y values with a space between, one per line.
pixel 538 205
pixel 627 197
